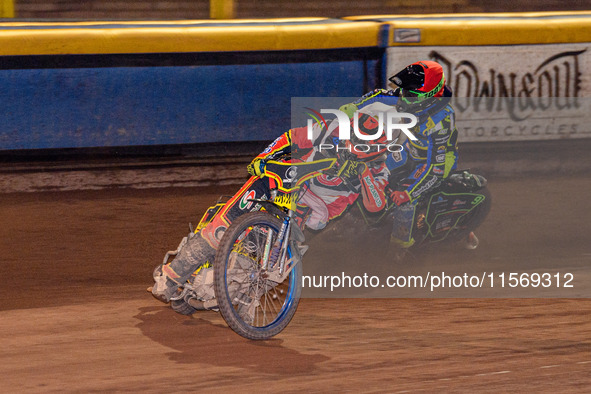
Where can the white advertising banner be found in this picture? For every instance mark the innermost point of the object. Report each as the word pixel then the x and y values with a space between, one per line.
pixel 514 92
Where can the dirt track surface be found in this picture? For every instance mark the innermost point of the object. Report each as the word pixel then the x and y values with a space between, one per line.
pixel 75 314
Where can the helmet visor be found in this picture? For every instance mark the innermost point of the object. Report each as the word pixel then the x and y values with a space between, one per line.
pixel 412 77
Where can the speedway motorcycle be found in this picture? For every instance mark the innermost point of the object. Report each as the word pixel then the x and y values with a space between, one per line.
pixel 256 279
pixel 455 207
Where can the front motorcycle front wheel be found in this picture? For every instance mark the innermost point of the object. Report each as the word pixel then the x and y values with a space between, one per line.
pixel 252 304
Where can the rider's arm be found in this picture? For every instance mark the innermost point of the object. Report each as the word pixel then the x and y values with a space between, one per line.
pixel 278 148
pixel 293 139
pixel 441 155
pixel 291 145
pixel 281 147
pixel 451 153
pixel 388 97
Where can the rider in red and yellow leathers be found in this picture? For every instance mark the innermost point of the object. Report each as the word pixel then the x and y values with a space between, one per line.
pixel 322 199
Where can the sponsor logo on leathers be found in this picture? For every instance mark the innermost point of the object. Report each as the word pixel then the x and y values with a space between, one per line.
pixel 373 191
pixel 424 188
pixel 244 203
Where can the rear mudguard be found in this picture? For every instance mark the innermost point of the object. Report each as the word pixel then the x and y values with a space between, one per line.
pixel 456 207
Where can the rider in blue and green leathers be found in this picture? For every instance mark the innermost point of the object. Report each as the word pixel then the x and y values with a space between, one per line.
pixel 420 166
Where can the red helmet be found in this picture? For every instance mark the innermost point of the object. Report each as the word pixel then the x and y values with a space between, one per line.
pixel 420 81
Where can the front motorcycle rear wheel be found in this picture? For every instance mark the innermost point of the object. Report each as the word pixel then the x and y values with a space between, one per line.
pixel 254 306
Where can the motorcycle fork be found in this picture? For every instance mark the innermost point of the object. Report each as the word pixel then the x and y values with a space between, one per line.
pixel 277 249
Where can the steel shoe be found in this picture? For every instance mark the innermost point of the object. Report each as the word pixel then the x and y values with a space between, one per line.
pixel 164 288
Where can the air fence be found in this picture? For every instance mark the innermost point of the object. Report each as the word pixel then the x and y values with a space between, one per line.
pixel 522 82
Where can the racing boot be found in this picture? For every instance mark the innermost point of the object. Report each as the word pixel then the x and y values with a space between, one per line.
pixel 169 278
pixel 398 249
pixel 164 287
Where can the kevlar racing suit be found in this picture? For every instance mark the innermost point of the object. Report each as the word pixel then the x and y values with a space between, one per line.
pixel 321 199
pixel 423 163
pixel 327 196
